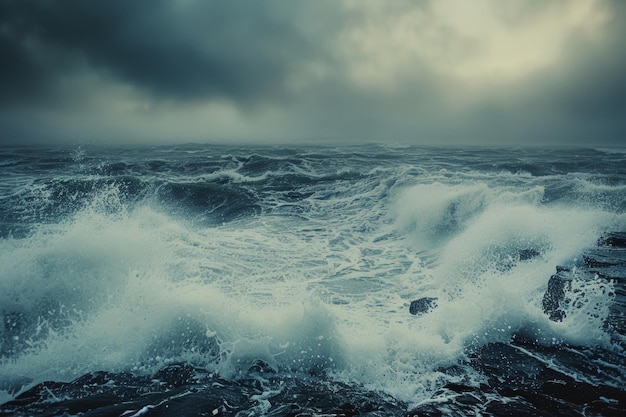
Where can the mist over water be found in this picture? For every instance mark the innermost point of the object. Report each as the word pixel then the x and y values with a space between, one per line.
pixel 127 260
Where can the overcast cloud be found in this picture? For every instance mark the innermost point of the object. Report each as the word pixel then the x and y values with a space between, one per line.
pixel 429 72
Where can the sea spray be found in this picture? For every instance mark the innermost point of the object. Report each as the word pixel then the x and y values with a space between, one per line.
pixel 298 263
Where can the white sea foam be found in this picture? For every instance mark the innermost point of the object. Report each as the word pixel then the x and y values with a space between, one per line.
pixel 120 288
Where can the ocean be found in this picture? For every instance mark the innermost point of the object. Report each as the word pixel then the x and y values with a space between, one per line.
pixel 371 280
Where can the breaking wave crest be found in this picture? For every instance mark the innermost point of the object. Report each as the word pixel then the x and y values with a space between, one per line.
pixel 310 272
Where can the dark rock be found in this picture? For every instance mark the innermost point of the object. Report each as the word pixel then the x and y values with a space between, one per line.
pixel 182 390
pixel 261 367
pixel 611 251
pixel 177 375
pixel 13 385
pixel 533 375
pixel 554 296
pixel 39 394
pixel 603 258
pixel 607 261
pixel 422 305
pixel 459 388
pixel 514 408
pixel 429 410
pixel 527 378
pixel 615 239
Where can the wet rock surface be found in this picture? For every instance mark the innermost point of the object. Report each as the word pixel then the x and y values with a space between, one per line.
pixel 422 305
pixel 182 390
pixel 524 378
pixel 607 263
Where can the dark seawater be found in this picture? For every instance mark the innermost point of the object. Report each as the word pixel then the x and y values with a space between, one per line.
pixel 367 280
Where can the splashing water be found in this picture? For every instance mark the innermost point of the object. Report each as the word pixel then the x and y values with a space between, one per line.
pixel 306 260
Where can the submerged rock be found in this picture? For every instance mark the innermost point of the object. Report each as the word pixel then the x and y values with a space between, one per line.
pixel 528 254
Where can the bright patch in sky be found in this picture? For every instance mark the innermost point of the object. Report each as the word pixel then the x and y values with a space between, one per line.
pixel 478 41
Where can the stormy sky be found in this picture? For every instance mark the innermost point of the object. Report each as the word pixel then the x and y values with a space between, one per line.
pixel 318 71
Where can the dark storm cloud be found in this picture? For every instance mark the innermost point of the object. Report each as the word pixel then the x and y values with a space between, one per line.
pixel 359 70
pixel 181 50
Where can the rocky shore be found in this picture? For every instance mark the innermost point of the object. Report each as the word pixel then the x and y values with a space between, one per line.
pixel 519 378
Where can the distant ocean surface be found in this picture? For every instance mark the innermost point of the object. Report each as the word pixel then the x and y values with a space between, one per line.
pixel 299 281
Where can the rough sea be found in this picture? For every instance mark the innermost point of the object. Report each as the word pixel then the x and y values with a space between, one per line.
pixel 372 280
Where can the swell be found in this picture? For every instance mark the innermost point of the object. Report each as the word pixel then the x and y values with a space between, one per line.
pixel 305 259
pixel 206 187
